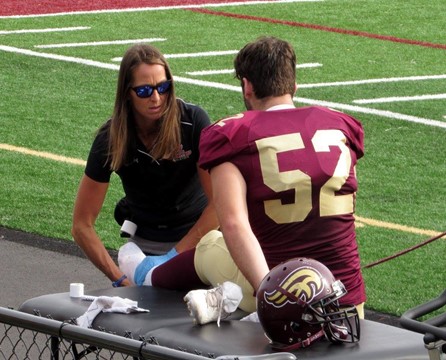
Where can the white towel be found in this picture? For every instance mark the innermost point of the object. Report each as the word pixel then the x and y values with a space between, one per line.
pixel 253 317
pixel 108 304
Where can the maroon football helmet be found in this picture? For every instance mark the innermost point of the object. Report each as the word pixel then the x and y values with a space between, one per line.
pixel 297 303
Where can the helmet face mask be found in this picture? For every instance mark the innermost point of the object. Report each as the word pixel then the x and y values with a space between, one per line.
pixel 341 325
pixel 297 303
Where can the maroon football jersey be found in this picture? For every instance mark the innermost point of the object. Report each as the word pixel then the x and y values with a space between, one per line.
pixel 299 167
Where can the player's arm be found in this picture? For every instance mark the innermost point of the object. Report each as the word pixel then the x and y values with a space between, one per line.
pixel 207 221
pixel 89 201
pixel 229 190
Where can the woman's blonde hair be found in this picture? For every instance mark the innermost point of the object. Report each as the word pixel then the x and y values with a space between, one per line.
pixel 123 130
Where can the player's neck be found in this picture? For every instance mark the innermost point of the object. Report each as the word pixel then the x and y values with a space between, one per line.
pixel 269 102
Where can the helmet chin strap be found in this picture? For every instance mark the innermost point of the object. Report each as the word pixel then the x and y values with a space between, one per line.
pixel 301 344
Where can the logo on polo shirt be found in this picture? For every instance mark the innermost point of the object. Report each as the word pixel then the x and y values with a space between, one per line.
pixel 181 154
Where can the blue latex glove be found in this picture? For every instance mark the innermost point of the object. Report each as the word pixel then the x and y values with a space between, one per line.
pixel 149 262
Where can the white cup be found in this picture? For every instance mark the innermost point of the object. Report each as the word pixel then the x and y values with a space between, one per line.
pixel 76 290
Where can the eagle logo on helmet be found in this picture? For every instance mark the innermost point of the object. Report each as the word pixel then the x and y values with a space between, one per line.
pixel 302 285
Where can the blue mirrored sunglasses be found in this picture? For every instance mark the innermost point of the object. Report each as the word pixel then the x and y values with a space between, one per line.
pixel 146 91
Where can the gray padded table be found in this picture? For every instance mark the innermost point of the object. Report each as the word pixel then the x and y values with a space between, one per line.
pixel 169 325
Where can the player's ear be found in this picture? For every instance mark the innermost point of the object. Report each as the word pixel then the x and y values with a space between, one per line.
pixel 295 87
pixel 248 90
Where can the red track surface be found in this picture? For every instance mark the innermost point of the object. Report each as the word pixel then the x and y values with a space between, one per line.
pixel 35 7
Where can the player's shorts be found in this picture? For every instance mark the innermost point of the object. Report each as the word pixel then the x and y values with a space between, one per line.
pixel 214 266
pixel 360 309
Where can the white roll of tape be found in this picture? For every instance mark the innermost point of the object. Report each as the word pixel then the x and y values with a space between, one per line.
pixel 76 290
pixel 128 229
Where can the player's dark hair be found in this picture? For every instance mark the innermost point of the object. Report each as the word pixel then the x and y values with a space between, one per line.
pixel 269 64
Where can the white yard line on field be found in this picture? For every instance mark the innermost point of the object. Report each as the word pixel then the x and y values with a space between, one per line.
pixel 374 81
pixel 71 59
pixel 160 8
pixel 400 98
pixel 230 71
pixel 191 55
pixel 35 31
pixel 201 54
pixel 99 43
pixel 371 111
pixel 364 110
pixel 340 106
pixel 210 72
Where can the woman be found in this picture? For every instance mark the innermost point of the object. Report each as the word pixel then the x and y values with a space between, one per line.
pixel 151 142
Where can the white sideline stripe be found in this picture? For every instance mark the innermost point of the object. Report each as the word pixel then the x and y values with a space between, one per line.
pixel 374 81
pixel 363 110
pixel 400 98
pixel 190 55
pixel 34 31
pixel 210 72
pixel 241 3
pixel 60 57
pixel 198 54
pixel 230 71
pixel 43 154
pixel 383 113
pixel 98 43
pixel 308 65
pixel 210 84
